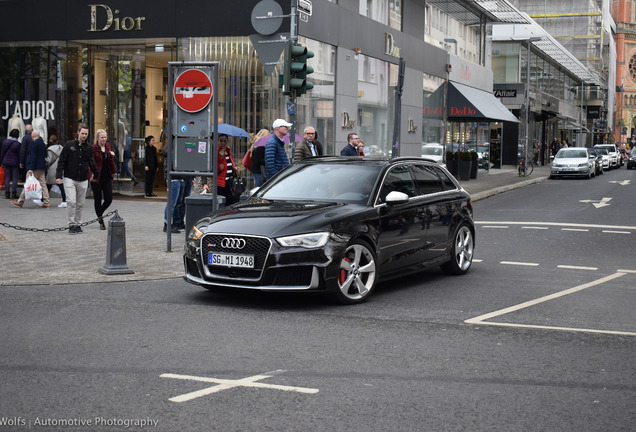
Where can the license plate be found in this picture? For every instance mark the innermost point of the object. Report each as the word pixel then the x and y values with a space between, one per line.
pixel 230 260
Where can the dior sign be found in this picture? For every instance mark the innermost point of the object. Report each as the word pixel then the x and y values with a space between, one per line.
pixel 347 122
pixel 112 21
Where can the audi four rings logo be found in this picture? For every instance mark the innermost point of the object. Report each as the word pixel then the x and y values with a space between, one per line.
pixel 233 243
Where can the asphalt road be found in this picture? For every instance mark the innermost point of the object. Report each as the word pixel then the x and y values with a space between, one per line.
pixel 539 336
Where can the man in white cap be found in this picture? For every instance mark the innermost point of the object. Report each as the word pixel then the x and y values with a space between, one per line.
pixel 275 155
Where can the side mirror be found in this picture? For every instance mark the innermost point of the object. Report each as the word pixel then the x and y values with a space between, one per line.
pixel 396 198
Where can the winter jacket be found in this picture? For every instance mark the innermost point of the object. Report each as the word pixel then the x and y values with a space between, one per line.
pixel 24 148
pixel 275 156
pixel 349 150
pixel 223 173
pixel 258 161
pixel 10 153
pixel 36 157
pixel 52 156
pixel 75 161
pixel 99 161
pixel 151 157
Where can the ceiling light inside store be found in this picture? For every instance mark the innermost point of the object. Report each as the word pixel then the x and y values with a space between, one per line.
pixel 159 48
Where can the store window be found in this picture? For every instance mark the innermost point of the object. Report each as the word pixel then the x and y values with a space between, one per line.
pixel 432 111
pixel 505 62
pixel 376 99
pixel 251 100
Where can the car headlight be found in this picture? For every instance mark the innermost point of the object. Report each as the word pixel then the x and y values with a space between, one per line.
pixel 581 165
pixel 311 240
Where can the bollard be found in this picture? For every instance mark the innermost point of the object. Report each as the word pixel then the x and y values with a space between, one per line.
pixel 116 248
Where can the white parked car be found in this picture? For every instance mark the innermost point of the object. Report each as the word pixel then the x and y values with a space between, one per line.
pixel 573 161
pixel 615 162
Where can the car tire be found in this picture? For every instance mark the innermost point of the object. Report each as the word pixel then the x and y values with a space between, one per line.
pixel 462 252
pixel 358 273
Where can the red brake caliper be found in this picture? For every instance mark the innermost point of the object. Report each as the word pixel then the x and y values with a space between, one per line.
pixel 343 272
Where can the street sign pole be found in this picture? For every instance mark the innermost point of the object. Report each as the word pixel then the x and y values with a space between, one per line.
pixel 293 35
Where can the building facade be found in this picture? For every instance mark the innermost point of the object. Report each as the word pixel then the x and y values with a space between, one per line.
pixel 624 12
pixel 106 65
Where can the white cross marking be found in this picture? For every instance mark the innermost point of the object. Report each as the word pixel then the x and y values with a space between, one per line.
pixel 224 384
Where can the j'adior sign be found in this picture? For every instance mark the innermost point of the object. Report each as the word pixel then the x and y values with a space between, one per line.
pixel 104 18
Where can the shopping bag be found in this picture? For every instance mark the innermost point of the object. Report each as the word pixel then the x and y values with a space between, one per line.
pixel 1 179
pixel 247 160
pixel 32 188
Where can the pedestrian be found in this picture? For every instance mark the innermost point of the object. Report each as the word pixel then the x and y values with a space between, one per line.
pixel 10 161
pixel 275 155
pixel 257 166
pixel 27 139
pixel 564 144
pixel 102 183
pixel 360 148
pixel 306 148
pixel 151 165
pixel 225 169
pixel 72 171
pixel 351 149
pixel 52 156
pixel 36 166
pixel 555 146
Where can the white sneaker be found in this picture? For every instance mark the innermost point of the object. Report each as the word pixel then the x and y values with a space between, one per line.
pixel 62 204
pixel 38 202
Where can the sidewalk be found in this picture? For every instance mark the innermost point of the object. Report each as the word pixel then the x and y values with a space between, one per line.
pixel 55 257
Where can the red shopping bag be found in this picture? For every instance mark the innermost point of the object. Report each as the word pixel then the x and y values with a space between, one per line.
pixel 1 179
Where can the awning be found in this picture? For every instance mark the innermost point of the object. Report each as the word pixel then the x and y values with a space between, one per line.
pixel 574 127
pixel 468 103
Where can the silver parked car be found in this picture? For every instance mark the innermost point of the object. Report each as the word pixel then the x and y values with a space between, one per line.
pixel 573 161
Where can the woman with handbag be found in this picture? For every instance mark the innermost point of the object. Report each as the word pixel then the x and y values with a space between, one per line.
pixel 103 184
pixel 226 171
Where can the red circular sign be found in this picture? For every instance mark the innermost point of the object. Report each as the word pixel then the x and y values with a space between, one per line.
pixel 192 90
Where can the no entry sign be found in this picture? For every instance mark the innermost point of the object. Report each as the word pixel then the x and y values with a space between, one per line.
pixel 192 90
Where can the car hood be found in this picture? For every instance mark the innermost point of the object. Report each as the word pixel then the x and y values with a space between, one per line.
pixel 570 161
pixel 277 218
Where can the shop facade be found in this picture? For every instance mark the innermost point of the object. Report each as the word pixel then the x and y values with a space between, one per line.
pixel 106 65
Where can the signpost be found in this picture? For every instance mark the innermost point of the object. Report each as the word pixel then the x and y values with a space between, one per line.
pixel 192 113
pixel 192 90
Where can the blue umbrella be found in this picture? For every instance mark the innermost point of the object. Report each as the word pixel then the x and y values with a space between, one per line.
pixel 230 130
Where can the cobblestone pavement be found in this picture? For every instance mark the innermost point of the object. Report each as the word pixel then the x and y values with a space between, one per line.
pixel 51 258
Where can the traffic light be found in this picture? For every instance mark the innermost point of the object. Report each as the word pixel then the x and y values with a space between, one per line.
pixel 295 70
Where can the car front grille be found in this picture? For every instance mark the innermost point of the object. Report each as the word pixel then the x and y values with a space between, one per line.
pixel 257 246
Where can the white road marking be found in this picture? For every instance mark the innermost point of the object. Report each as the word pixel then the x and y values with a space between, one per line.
pixel 477 260
pixel 598 204
pixel 482 319
pixel 625 271
pixel 534 227
pixel 576 267
pixel 622 183
pixel 575 229
pixel 616 232
pixel 497 226
pixel 224 384
pixel 558 224
pixel 519 263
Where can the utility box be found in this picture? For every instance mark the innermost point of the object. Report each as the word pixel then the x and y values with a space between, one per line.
pixel 197 206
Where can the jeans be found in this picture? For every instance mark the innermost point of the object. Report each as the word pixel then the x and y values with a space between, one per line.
pixel 11 174
pixel 102 189
pixel 258 179
pixel 177 187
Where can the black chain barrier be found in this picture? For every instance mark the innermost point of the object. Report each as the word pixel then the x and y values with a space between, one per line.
pixel 19 228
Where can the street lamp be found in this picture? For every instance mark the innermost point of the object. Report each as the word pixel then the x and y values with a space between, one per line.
pixel 527 119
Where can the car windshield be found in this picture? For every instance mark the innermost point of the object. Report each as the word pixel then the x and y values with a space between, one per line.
pixel 431 151
pixel 323 182
pixel 602 151
pixel 571 153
